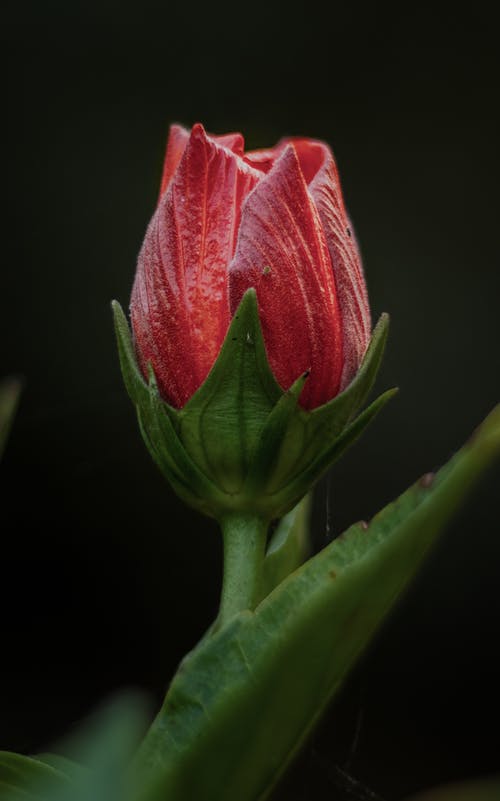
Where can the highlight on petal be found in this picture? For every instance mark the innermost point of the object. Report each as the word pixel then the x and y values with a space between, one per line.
pixel 282 252
pixel 321 175
pixel 326 192
pixel 311 156
pixel 179 305
pixel 178 138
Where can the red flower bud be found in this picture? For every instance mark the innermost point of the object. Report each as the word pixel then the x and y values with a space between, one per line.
pixel 226 221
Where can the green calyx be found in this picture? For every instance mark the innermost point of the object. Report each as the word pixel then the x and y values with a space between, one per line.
pixel 241 444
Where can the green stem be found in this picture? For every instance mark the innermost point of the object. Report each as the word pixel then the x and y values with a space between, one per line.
pixel 244 549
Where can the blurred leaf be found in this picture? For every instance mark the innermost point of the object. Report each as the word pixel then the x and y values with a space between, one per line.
pixel 10 390
pixel 64 765
pixel 104 744
pixel 95 768
pixel 243 702
pixel 29 778
pixel 483 790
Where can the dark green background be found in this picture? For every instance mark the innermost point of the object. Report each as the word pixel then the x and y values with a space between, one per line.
pixel 106 579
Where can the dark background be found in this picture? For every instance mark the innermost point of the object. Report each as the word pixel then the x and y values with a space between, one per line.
pixel 106 578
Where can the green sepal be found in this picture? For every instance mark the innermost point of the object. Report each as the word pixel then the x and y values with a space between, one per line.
pixel 327 422
pixel 241 443
pixel 356 393
pixel 158 423
pixel 293 438
pixel 271 451
pixel 132 376
pixel 326 458
pixel 191 483
pixel 298 446
pixel 222 423
pixel 216 736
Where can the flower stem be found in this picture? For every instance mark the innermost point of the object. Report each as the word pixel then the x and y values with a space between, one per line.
pixel 244 547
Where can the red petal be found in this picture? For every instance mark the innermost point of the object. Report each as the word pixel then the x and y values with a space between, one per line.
pixel 179 307
pixel 346 261
pixel 282 252
pixel 233 141
pixel 264 159
pixel 177 140
pixel 311 155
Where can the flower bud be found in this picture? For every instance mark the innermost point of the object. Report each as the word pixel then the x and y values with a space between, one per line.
pixel 274 220
pixel 250 323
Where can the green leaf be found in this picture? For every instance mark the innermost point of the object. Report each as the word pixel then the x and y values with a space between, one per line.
pixel 288 548
pixel 245 700
pixel 482 790
pixel 10 390
pixel 221 424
